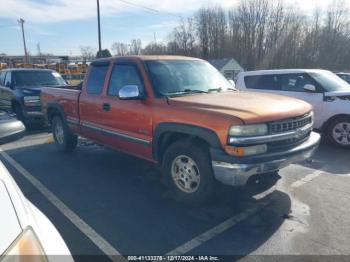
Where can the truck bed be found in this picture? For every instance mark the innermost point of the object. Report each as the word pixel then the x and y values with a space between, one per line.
pixel 68 98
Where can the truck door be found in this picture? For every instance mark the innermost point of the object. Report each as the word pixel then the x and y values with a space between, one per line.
pixel 127 124
pixel 91 102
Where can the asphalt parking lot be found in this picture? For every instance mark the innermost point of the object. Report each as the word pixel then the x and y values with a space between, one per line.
pixel 102 201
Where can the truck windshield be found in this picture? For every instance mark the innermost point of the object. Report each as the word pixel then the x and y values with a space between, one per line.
pixel 330 82
pixel 38 79
pixel 176 77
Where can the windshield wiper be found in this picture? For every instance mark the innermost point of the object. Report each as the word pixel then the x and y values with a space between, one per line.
pixel 220 89
pixel 187 91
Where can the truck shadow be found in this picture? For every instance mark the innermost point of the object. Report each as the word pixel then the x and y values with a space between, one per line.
pixel 331 159
pixel 122 198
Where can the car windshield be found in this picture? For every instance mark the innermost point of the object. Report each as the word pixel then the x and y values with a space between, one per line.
pixel 38 79
pixel 176 77
pixel 330 81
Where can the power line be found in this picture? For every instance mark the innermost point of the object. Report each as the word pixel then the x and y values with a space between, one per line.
pixel 149 8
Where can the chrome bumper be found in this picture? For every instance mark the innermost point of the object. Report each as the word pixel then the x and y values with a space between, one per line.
pixel 238 174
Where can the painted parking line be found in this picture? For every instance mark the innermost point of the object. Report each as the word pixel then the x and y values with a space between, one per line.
pixel 231 222
pixel 88 231
pixel 211 233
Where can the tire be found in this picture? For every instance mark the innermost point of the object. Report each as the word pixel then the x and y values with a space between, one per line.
pixel 338 132
pixel 65 140
pixel 188 172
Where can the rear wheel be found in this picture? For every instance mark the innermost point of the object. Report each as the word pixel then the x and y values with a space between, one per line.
pixel 65 140
pixel 338 132
pixel 188 172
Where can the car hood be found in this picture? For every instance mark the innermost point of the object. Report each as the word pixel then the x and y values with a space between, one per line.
pixel 250 107
pixel 10 227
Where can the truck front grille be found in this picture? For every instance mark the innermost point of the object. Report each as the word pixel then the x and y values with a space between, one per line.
pixel 290 124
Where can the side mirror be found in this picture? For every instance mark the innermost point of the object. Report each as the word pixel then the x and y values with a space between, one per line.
pixel 310 88
pixel 129 92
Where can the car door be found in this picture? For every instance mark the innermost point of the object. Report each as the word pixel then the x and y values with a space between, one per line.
pixel 91 101
pixel 127 123
pixel 294 85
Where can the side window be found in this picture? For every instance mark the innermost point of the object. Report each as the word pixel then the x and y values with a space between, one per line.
pixel 7 78
pixel 294 82
pixel 2 78
pixel 96 79
pixel 263 82
pixel 123 75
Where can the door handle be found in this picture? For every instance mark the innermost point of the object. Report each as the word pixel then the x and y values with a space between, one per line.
pixel 106 107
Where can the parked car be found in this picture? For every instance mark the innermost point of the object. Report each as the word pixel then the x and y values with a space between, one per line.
pixel 344 76
pixel 327 93
pixel 20 91
pixel 24 230
pixel 11 128
pixel 182 114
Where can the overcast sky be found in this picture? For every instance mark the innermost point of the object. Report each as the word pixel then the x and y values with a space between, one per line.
pixel 62 26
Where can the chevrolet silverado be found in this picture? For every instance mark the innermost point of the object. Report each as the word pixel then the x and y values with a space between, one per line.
pixel 183 115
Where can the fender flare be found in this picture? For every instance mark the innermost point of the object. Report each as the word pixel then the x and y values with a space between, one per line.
pixel 57 108
pixel 206 134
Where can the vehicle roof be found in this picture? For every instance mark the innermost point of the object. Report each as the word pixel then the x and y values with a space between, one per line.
pixel 145 58
pixel 342 73
pixel 27 69
pixel 282 71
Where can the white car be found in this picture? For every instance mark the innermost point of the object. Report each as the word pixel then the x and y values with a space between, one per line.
pixel 24 230
pixel 327 93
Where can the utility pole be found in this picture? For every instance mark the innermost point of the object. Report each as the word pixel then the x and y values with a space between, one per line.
pixel 99 29
pixel 21 21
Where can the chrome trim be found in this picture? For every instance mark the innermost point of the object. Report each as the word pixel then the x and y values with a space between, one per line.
pixel 238 174
pixel 114 133
pixel 271 138
pixel 73 120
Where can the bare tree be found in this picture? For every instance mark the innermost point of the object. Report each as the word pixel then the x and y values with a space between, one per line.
pixel 135 47
pixel 87 52
pixel 120 49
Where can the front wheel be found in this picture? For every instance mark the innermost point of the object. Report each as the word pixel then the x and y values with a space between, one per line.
pixel 188 171
pixel 338 132
pixel 65 140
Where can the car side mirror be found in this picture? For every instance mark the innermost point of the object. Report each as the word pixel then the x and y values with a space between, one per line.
pixel 129 92
pixel 309 87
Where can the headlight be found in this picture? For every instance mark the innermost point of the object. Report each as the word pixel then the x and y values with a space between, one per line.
pixel 249 130
pixel 32 100
pixel 27 244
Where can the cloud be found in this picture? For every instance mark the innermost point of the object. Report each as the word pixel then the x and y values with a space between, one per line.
pixel 48 11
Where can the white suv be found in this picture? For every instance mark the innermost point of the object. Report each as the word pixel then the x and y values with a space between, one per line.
pixel 326 92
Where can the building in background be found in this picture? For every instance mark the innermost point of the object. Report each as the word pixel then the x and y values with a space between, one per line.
pixel 228 67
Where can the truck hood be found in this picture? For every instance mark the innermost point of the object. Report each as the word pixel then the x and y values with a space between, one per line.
pixel 250 107
pixel 29 91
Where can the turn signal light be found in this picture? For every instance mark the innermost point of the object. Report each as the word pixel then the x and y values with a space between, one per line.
pixel 246 151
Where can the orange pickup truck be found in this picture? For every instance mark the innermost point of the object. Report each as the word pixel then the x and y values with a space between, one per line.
pixel 182 114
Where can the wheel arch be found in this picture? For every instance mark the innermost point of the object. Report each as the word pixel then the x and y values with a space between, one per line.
pixel 167 133
pixel 54 109
pixel 331 119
